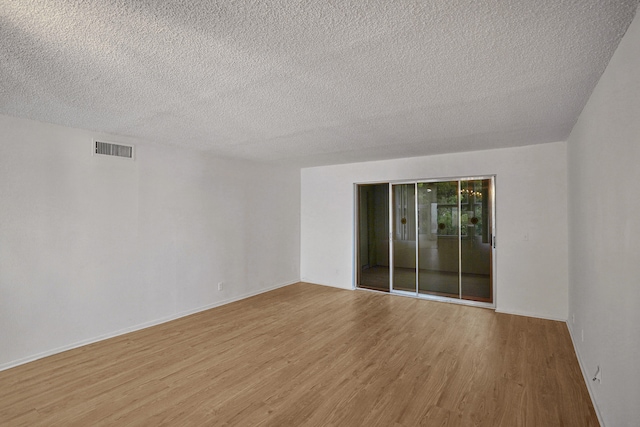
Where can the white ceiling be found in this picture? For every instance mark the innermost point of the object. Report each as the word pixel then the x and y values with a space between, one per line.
pixel 310 81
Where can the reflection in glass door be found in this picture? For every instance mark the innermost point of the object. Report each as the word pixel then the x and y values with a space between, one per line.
pixel 404 237
pixel 438 252
pixel 475 242
pixel 451 238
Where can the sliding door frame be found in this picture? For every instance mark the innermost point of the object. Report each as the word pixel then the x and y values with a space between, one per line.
pixel 417 294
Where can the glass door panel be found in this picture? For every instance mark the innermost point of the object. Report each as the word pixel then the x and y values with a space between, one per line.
pixel 404 237
pixel 373 237
pixel 438 254
pixel 475 244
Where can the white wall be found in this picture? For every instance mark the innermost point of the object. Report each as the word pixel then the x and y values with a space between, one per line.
pixel 93 246
pixel 604 225
pixel 531 193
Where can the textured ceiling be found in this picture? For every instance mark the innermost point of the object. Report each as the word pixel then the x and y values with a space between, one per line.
pixel 308 81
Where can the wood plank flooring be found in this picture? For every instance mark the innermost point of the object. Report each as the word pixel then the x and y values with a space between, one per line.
pixel 315 356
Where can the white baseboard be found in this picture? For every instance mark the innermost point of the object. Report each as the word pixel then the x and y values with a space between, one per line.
pixel 497 310
pixel 527 314
pixel 138 327
pixel 585 375
pixel 328 285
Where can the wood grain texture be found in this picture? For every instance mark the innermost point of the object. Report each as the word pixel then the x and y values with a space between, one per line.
pixel 313 355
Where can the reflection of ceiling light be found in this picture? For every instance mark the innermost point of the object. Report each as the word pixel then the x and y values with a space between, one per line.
pixel 471 193
pixel 428 190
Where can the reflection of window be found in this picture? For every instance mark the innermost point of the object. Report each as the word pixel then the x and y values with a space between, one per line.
pixel 438 211
pixel 471 207
pixel 447 220
pixel 404 201
pixel 472 195
pixel 447 197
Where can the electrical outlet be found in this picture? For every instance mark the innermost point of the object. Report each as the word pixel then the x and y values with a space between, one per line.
pixel 598 375
pixel 220 285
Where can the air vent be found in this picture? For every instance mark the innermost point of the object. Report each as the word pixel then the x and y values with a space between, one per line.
pixel 110 149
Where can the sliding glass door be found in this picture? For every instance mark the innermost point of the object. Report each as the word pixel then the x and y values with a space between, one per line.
pixel 439 230
pixel 475 239
pixel 373 237
pixel 437 236
pixel 404 237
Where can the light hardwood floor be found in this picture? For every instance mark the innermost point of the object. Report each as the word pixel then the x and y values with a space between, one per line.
pixel 313 355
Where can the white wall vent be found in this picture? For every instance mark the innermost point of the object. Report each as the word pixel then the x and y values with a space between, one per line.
pixel 111 149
